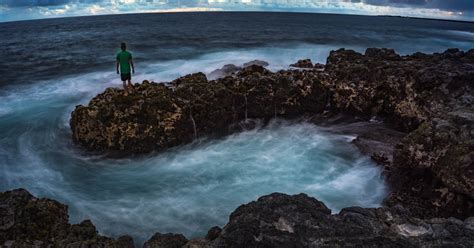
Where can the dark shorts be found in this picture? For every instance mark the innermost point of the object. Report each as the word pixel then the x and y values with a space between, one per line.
pixel 126 76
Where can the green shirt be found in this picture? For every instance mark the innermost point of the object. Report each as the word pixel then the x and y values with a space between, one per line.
pixel 124 58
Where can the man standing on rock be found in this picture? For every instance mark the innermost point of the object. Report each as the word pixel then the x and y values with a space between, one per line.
pixel 124 60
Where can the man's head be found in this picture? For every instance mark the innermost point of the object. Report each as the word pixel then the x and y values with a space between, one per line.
pixel 123 46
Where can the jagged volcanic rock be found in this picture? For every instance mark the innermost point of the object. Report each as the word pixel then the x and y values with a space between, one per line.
pixel 26 221
pixel 280 220
pixel 303 63
pixel 406 91
pixel 275 220
pixel 156 117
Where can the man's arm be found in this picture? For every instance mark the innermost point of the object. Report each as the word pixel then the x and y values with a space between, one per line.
pixel 133 67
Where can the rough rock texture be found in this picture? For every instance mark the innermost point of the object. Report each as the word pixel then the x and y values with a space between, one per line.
pixel 168 240
pixel 275 220
pixel 404 91
pixel 303 63
pixel 433 169
pixel 228 69
pixel 430 96
pixel 26 221
pixel 280 220
pixel 156 117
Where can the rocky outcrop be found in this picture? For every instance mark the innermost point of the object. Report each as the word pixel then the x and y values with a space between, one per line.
pixel 433 169
pixel 156 116
pixel 168 240
pixel 228 69
pixel 275 220
pixel 403 90
pixel 303 63
pixel 27 221
pixel 431 97
pixel 428 96
pixel 280 220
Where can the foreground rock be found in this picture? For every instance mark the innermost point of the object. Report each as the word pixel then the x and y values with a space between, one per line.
pixel 280 220
pixel 275 220
pixel 26 221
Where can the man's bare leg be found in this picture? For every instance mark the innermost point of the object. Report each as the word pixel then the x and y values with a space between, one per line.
pixel 125 88
pixel 130 85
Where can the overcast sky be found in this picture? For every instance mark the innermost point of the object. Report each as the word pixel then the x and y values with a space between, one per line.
pixel 11 10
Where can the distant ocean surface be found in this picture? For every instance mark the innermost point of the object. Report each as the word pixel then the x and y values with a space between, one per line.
pixel 49 48
pixel 47 67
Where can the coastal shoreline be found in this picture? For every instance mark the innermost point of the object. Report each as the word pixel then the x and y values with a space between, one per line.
pixel 424 142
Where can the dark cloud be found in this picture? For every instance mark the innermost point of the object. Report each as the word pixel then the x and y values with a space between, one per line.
pixel 451 5
pixel 457 5
pixel 23 3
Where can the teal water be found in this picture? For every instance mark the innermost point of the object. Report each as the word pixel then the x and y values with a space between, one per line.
pixel 186 189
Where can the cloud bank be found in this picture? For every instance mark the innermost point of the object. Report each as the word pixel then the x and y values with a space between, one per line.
pixel 11 10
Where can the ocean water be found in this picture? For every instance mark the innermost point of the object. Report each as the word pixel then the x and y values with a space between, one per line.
pixel 50 66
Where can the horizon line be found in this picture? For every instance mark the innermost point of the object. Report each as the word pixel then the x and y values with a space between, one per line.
pixel 170 11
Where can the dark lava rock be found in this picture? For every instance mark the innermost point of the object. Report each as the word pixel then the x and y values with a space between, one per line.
pixel 404 91
pixel 213 233
pixel 433 170
pixel 226 70
pixel 256 62
pixel 280 220
pixel 168 240
pixel 303 63
pixel 27 221
pixel 156 117
pixel 275 220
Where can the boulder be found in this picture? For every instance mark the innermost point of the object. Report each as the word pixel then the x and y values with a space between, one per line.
pixel 226 70
pixel 27 221
pixel 303 63
pixel 256 62
pixel 168 240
